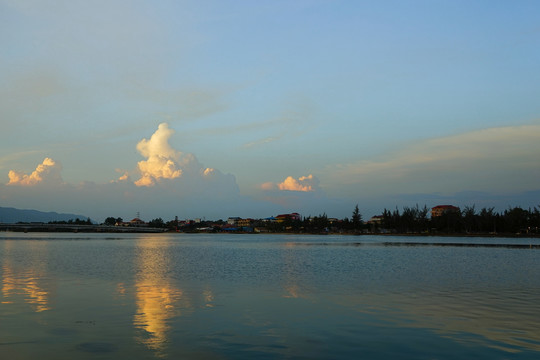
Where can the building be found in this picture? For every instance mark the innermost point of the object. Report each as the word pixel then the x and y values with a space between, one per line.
pixel 376 220
pixel 133 223
pixel 244 222
pixel 233 220
pixel 294 216
pixel 440 210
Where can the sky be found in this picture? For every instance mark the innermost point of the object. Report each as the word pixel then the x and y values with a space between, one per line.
pixel 210 109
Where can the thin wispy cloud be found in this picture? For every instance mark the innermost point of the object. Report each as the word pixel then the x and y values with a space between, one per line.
pixel 262 141
pixel 488 159
pixel 7 160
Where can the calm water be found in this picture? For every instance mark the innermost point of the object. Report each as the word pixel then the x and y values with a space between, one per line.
pixel 178 296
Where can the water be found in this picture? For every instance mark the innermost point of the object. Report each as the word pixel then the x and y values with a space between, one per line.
pixel 172 296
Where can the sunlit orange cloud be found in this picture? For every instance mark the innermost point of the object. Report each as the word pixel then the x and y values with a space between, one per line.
pixel 304 183
pixel 209 172
pixel 124 177
pixel 48 170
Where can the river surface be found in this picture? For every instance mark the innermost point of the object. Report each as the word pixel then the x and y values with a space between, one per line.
pixel 225 296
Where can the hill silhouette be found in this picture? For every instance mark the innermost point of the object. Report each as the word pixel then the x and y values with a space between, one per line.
pixel 12 216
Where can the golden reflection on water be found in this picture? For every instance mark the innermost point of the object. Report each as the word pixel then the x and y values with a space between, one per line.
pixel 157 300
pixel 208 296
pixel 290 262
pixel 156 306
pixel 25 282
pixel 121 289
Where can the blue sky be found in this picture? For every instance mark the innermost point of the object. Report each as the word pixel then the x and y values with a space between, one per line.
pixel 268 106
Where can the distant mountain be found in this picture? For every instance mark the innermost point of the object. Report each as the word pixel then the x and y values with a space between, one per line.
pixel 12 215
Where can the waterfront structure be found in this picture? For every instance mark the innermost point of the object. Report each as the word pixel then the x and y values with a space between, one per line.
pixel 136 222
pixel 282 217
pixel 440 210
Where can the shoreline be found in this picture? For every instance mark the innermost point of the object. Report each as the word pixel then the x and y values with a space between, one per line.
pixel 63 228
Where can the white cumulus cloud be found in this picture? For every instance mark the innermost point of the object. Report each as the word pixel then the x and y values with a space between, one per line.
pixel 167 183
pixel 162 160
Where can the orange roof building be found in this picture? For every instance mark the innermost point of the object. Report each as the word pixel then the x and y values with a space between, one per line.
pixel 439 210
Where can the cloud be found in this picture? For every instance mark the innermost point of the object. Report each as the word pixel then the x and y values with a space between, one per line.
pixel 262 141
pixel 15 157
pixel 290 123
pixel 46 172
pixel 181 186
pixel 268 186
pixel 206 192
pixel 162 159
pixel 164 162
pixel 125 177
pixel 303 184
pixel 73 59
pixel 302 195
pixel 502 159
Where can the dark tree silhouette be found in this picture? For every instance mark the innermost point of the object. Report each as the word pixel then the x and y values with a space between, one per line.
pixel 356 219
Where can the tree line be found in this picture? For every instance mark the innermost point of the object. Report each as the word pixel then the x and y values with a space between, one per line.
pixel 413 220
pixel 468 221
pixel 76 221
pixel 417 220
